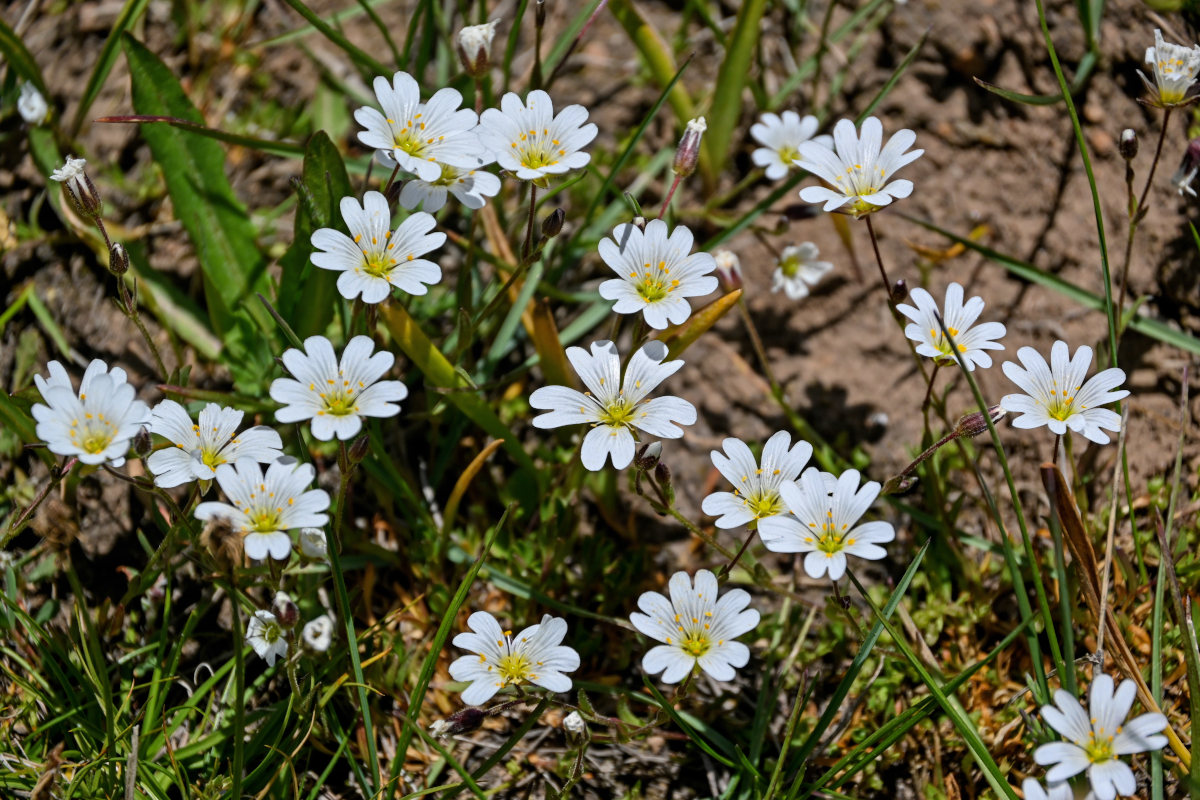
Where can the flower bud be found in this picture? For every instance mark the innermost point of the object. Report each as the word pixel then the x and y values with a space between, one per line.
pixel 576 729
pixel 31 105
pixel 639 222
pixel 142 444
pixel 285 610
pixel 648 455
pixel 729 269
pixel 688 152
pixel 975 424
pixel 313 543
pixel 662 476
pixel 358 450
pixel 1188 168
pixel 79 187
pixel 552 225
pixel 118 259
pixel 899 291
pixel 539 11
pixel 1129 144
pixel 474 48
pixel 465 721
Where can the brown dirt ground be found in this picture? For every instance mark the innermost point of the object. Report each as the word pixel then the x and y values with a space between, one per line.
pixel 1012 168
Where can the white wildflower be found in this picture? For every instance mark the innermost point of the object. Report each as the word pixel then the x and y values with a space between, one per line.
pixel 318 633
pixel 656 272
pixel 264 509
pixel 858 169
pixel 972 340
pixel 535 655
pixel 72 174
pixel 756 493
pixel 1057 396
pixel 96 425
pixel 1034 790
pixel 472 187
pixel 695 627
pixel 419 136
pixel 825 524
pixel 1098 736
pixel 798 270
pixel 612 407
pixel 528 140
pixel 781 138
pixel 335 395
pixel 1175 68
pixel 267 637
pixel 373 258
pixel 197 449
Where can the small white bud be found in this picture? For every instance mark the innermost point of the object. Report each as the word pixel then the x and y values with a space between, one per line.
pixel 31 105
pixel 475 46
pixel 729 269
pixel 313 543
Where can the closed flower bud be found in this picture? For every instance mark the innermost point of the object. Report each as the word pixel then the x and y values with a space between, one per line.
pixel 975 424
pixel 358 450
pixel 285 610
pixel 639 222
pixel 142 444
pixel 460 722
pixel 118 259
pixel 662 476
pixel 552 225
pixel 1129 144
pixel 729 269
pixel 474 48
pixel 576 728
pixel 648 455
pixel 899 291
pixel 688 152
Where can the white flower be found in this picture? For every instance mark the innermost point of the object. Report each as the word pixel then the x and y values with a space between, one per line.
pixel 1098 736
pixel 756 495
pixel 336 395
pixel 1057 397
pixel 535 655
pixel 72 174
pixel 611 407
pixel 1034 790
pixel 528 140
pixel 373 259
pixel 267 637
pixel 31 105
pixel 313 543
pixel 198 449
pixel 781 139
pixel 97 425
pixel 656 272
pixel 472 187
pixel 318 633
pixel 729 268
pixel 798 269
pixel 419 136
pixel 264 509
pixel 695 627
pixel 1175 69
pixel 858 169
pixel 959 317
pixel 826 511
pixel 476 40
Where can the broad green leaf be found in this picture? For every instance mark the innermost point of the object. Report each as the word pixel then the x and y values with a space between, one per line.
pixel 193 167
pixel 726 109
pixel 308 294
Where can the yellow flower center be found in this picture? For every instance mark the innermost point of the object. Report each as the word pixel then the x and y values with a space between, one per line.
pixel 95 435
pixel 619 413
pixel 1099 750
pixel 788 154
pixel 655 283
pixel 696 642
pixel 514 668
pixel 828 538
pixel 449 176
pixel 1062 403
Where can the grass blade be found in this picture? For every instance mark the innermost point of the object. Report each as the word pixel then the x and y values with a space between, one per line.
pixel 726 110
pixel 130 13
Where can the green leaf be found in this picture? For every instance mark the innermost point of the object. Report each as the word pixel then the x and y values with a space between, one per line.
pixel 1147 327
pixel 19 58
pixel 726 109
pixel 14 414
pixel 193 167
pixel 1017 97
pixel 308 294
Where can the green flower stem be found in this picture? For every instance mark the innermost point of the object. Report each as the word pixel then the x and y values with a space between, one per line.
pixel 1137 212
pixel 344 611
pixel 239 688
